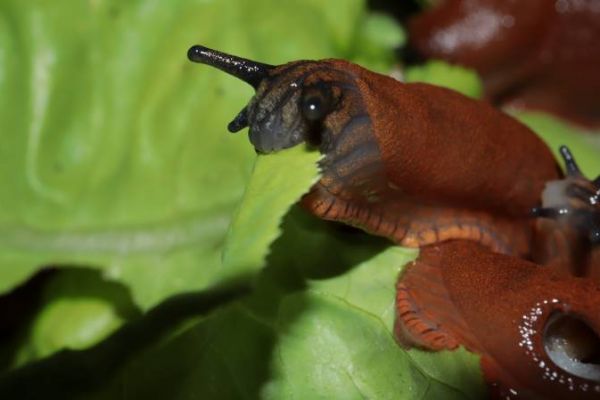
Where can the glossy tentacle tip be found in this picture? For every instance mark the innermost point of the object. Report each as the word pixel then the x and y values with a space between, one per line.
pixel 195 53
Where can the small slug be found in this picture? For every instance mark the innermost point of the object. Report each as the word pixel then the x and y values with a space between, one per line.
pixel 538 332
pixel 540 54
pixel 412 162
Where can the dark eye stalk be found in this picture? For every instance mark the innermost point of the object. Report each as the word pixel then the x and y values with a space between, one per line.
pixel 570 164
pixel 251 72
pixel 239 122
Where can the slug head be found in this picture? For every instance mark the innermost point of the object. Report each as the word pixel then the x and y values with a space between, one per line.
pixel 292 101
pixel 574 200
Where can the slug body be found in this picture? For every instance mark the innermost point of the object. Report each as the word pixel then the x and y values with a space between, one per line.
pixel 412 162
pixel 426 169
pixel 537 331
pixel 536 327
pixel 540 54
pixel 423 165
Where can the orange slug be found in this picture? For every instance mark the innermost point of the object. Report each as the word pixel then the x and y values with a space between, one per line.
pixel 539 54
pixel 411 162
pixel 427 167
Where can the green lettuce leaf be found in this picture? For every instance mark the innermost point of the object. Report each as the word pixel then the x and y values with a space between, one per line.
pixel 79 309
pixel 278 181
pixel 317 326
pixel 114 149
pixel 454 77
pixel 584 145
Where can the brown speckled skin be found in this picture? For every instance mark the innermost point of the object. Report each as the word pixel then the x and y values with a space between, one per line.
pixel 437 166
pixel 540 54
pixel 479 299
pixel 437 144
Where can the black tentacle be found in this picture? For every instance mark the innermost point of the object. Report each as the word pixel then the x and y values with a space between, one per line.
pixel 571 165
pixel 251 72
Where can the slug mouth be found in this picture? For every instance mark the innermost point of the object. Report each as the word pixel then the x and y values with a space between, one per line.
pixel 573 345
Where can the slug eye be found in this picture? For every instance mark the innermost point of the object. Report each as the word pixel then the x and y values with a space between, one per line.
pixel 316 103
pixel 573 346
